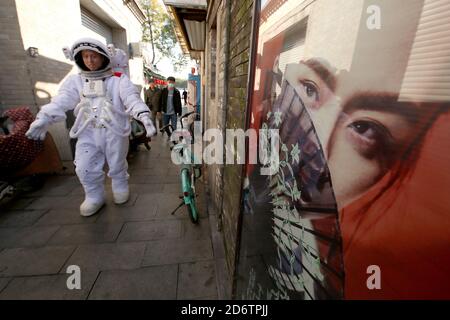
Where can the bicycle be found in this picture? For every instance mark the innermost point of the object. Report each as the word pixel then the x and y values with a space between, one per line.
pixel 189 171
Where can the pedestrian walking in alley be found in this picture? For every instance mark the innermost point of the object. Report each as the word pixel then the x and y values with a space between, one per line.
pixel 171 103
pixel 185 95
pixel 152 96
pixel 103 102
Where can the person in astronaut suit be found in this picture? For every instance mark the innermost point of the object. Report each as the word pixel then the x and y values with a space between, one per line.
pixel 103 103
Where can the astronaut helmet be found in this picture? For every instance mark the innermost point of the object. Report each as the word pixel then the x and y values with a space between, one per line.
pixel 93 45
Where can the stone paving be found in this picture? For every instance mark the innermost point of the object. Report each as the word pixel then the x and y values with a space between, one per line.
pixel 133 251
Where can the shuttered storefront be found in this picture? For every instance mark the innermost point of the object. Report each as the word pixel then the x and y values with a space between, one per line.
pixel 92 26
pixel 427 76
pixel 293 47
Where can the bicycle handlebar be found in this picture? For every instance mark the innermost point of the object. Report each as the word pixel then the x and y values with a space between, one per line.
pixel 187 114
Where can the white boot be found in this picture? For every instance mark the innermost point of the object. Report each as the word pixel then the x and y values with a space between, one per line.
pixel 121 197
pixel 121 191
pixel 89 208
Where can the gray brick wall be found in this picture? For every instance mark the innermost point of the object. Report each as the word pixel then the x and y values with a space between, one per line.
pixel 228 109
pixel 240 41
pixel 15 85
pixel 226 76
pixel 212 98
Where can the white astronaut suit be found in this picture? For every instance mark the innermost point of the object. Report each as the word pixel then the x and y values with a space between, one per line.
pixel 103 103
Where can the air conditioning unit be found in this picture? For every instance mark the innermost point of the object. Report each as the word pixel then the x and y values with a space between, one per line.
pixel 134 50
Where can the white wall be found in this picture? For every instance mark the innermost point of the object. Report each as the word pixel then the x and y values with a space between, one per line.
pixel 49 25
pixel 333 30
pixel 332 27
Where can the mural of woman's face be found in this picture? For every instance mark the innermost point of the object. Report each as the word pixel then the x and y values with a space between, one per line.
pixel 361 139
pixel 318 98
pixel 366 142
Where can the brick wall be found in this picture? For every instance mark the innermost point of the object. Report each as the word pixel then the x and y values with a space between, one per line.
pixel 15 87
pixel 48 26
pixel 212 111
pixel 227 73
pixel 239 48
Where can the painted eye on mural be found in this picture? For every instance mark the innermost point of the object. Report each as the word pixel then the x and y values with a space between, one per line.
pixel 310 89
pixel 368 136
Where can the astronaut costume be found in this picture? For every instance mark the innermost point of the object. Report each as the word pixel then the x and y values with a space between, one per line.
pixel 103 103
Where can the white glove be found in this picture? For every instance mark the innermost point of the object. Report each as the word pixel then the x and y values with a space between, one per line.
pixel 148 124
pixel 38 128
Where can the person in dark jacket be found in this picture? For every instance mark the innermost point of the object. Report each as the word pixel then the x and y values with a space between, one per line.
pixel 170 103
pixel 152 97
pixel 185 95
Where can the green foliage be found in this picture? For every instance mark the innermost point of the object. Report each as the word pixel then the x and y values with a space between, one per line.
pixel 159 32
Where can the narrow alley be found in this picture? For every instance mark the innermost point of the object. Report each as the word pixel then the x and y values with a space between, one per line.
pixel 133 251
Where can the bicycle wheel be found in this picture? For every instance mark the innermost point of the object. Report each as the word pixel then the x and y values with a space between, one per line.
pixel 191 130
pixel 192 210
pixel 189 193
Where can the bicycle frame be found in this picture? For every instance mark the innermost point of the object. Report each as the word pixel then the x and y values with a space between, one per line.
pixel 188 173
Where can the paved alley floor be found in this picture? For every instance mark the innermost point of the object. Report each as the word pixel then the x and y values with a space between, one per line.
pixel 133 251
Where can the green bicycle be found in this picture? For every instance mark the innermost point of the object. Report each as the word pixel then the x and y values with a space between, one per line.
pixel 189 171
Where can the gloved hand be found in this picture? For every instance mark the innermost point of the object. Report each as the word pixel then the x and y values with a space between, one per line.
pixel 38 128
pixel 148 124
